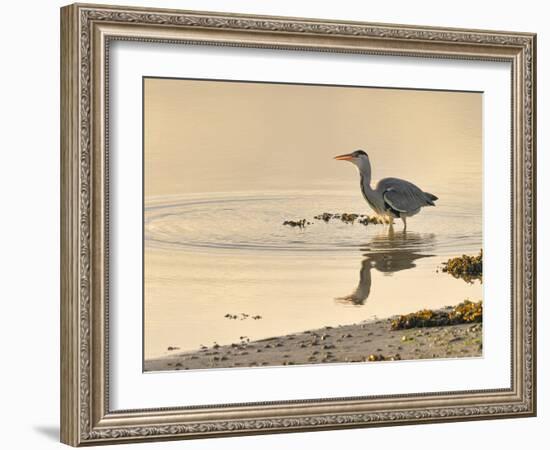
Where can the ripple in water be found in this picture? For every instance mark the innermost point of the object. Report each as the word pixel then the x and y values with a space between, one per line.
pixel 254 222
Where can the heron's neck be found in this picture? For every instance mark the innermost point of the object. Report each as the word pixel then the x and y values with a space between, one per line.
pixel 373 198
pixel 365 172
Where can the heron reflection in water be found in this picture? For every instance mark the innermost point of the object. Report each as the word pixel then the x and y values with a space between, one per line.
pixel 389 253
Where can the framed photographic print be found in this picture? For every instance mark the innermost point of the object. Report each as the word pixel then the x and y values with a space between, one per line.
pixel 276 224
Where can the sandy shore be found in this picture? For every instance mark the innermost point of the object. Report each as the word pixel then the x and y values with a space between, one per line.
pixel 367 341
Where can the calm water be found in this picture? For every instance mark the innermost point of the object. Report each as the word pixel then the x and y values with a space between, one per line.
pixel 215 254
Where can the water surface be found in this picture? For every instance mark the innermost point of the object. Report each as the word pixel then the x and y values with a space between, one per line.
pixel 211 255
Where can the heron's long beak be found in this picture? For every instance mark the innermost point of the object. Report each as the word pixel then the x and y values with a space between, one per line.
pixel 346 157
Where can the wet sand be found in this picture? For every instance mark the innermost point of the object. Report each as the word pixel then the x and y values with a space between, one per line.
pixel 361 342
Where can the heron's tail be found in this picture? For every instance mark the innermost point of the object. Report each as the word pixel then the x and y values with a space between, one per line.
pixel 430 198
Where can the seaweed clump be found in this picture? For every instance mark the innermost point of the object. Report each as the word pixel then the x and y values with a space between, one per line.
pixel 243 316
pixel 324 217
pixel 350 218
pixel 377 220
pixel 380 357
pixel 465 312
pixel 469 268
pixel 297 223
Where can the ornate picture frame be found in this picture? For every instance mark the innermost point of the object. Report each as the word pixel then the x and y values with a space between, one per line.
pixel 87 32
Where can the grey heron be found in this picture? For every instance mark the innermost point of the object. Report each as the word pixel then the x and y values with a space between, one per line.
pixel 392 197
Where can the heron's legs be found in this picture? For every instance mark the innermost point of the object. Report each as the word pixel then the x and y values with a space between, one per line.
pixel 404 219
pixel 391 232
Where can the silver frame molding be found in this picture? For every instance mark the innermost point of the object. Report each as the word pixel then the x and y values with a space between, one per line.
pixel 86 33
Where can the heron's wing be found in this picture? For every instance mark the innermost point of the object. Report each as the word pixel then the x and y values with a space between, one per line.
pixel 402 195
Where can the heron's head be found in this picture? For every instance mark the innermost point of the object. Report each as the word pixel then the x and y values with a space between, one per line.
pixel 358 157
